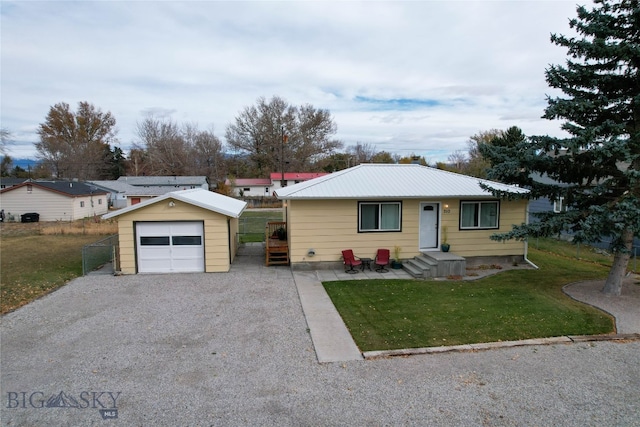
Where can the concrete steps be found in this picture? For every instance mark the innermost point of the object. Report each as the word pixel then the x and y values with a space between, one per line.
pixel 435 264
pixel 421 267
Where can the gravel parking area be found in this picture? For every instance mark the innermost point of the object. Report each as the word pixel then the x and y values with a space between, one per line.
pixel 234 349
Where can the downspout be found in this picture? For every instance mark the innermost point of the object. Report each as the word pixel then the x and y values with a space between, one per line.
pixel 526 242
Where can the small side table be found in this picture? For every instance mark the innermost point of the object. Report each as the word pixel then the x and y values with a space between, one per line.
pixel 366 262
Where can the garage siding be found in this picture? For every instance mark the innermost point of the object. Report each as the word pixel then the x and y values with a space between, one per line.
pixel 216 240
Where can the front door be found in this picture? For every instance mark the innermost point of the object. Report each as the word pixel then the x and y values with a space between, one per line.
pixel 429 225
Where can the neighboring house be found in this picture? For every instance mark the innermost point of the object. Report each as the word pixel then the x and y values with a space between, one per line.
pixel 122 194
pixel 264 187
pixel 131 190
pixel 250 187
pixel 192 230
pixel 544 204
pixel 177 182
pixel 373 206
pixel 291 178
pixel 53 200
pixel 6 182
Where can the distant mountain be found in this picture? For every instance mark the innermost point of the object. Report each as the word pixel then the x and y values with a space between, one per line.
pixel 23 163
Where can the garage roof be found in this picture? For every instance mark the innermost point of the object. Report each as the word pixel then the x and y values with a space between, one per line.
pixel 397 181
pixel 198 197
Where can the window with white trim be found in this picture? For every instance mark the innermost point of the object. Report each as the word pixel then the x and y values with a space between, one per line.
pixel 379 216
pixel 479 215
pixel 81 204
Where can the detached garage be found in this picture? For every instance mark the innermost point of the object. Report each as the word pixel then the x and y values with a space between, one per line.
pixel 182 231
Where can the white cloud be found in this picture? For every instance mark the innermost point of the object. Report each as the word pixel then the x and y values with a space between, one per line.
pixel 482 61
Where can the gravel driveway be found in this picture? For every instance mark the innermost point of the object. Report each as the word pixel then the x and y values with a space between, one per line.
pixel 234 349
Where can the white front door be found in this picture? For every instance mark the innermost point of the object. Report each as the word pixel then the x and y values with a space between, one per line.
pixel 429 225
pixel 170 247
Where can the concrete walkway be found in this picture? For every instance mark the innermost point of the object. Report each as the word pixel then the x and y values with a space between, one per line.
pixel 330 336
pixel 625 308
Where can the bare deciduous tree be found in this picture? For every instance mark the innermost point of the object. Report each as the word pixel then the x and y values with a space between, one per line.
pixel 276 135
pixel 165 147
pixel 5 138
pixel 72 144
pixel 361 153
pixel 169 149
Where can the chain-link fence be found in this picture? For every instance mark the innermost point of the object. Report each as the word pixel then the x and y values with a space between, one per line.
pixel 100 253
pixel 252 225
pixel 252 229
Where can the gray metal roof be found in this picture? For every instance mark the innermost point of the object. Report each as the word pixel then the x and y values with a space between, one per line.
pixel 68 188
pixel 392 181
pixel 164 180
pixel 132 190
pixel 198 197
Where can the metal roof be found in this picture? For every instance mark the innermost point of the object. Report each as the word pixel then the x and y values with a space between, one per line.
pixel 296 176
pixel 164 180
pixel 198 197
pixel 239 182
pixel 133 190
pixel 67 188
pixel 392 181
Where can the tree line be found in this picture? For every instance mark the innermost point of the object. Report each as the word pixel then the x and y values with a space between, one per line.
pixel 271 135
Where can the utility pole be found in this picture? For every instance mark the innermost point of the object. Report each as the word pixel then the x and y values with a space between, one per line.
pixel 284 140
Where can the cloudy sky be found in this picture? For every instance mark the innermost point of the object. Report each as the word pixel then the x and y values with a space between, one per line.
pixel 407 77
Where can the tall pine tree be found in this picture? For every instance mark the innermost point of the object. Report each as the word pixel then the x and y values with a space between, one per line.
pixel 596 170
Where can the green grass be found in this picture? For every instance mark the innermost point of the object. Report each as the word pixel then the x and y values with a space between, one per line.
pixel 568 250
pixel 513 305
pixel 38 264
pixel 252 224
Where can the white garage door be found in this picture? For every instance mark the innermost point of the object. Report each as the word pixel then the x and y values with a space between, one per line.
pixel 170 247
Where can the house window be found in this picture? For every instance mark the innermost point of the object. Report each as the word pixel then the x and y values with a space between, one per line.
pixel 246 189
pixel 266 189
pixel 558 205
pixel 99 201
pixel 476 215
pixel 379 216
pixel 82 204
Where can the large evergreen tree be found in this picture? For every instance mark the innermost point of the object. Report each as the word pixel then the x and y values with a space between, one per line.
pixel 596 170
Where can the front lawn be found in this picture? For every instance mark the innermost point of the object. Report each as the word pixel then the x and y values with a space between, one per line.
pixel 514 305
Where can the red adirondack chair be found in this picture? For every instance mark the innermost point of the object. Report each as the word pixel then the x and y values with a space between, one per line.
pixel 382 259
pixel 350 260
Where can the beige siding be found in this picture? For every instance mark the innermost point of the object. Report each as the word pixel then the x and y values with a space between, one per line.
pixel 142 199
pixel 216 237
pixel 93 205
pixel 329 226
pixel 471 243
pixel 51 206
